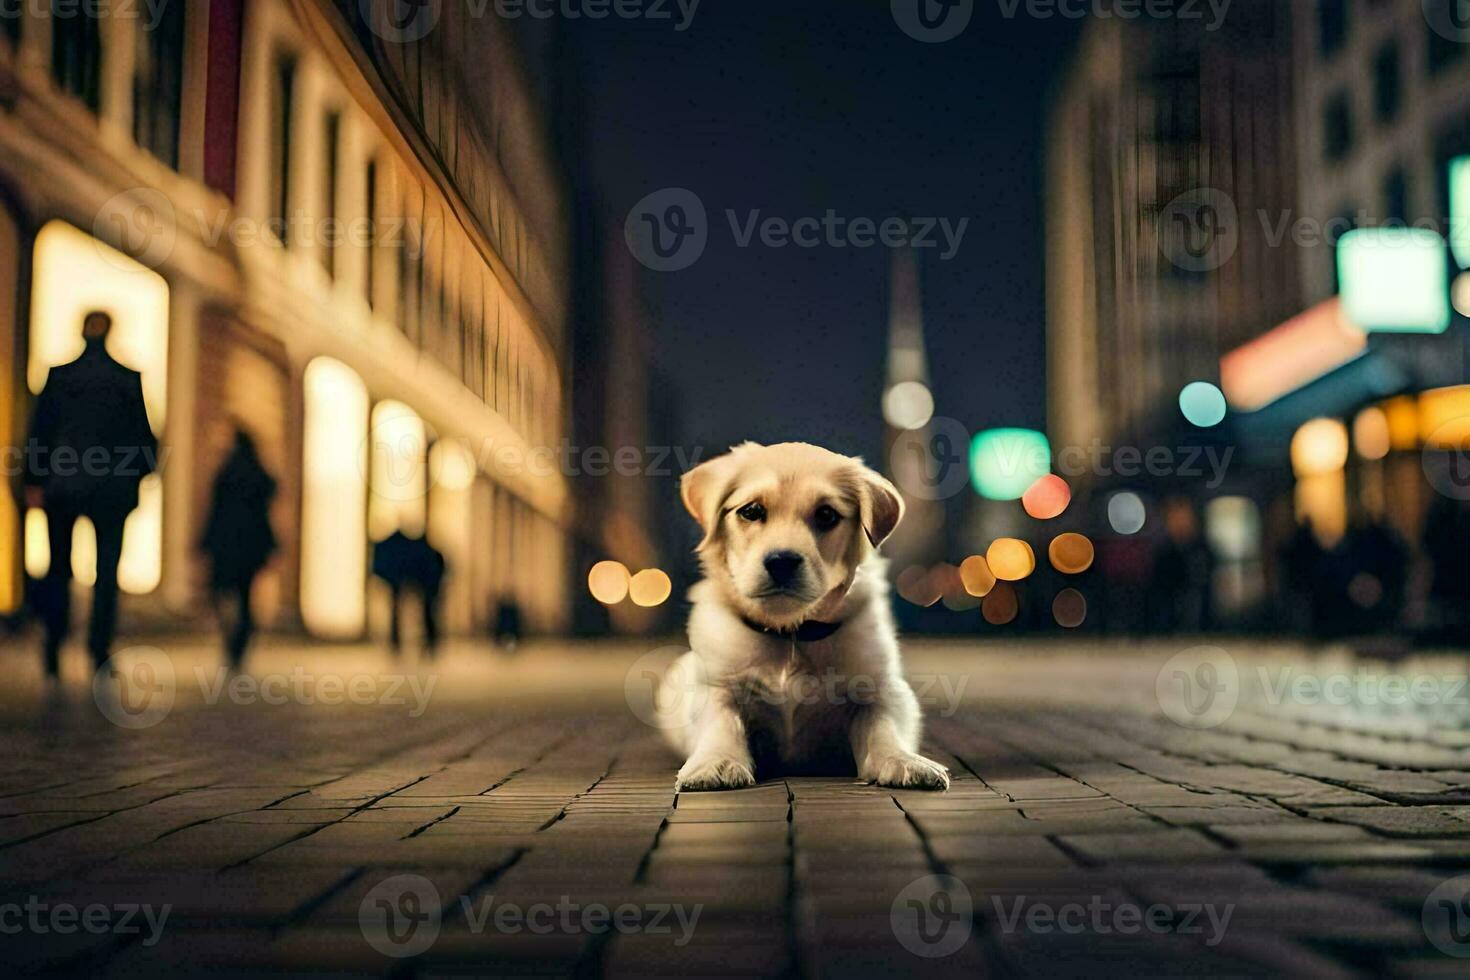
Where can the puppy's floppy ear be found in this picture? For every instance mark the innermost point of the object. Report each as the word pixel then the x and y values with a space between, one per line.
pixel 880 503
pixel 705 488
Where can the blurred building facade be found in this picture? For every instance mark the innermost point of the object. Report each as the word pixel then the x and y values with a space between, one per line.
pixel 1200 186
pixel 348 234
pixel 1168 143
pixel 1165 140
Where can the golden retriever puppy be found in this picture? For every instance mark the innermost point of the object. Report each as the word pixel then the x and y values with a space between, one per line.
pixel 794 662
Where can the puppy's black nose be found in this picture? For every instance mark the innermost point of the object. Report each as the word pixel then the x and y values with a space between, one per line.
pixel 782 566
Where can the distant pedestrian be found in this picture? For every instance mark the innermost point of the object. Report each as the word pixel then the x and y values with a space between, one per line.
pixel 508 624
pixel 238 541
pixel 410 565
pixel 89 448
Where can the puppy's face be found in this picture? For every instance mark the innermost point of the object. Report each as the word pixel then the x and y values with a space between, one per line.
pixel 787 526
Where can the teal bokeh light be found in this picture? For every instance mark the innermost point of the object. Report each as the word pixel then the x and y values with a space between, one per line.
pixel 1202 404
pixel 1005 462
pixel 1394 279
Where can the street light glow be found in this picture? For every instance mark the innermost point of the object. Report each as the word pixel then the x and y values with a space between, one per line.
pixel 650 587
pixel 608 581
pixel 1319 446
pixel 908 405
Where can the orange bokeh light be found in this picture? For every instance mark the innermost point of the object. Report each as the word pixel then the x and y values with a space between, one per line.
pixel 1047 497
pixel 1070 553
pixel 1069 608
pixel 977 576
pixel 608 582
pixel 916 585
pixel 1001 606
pixel 1010 559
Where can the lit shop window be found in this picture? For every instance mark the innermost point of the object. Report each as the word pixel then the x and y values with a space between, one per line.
pixel 400 471
pixel 334 501
pixel 1319 453
pixel 75 274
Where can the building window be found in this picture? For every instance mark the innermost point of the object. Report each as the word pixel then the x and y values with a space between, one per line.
pixel 10 16
pixel 1446 25
pixel 283 84
pixel 76 52
pixel 370 212
pixel 1386 90
pixel 330 233
pixel 1396 196
pixel 1332 26
pixel 1337 135
pixel 158 83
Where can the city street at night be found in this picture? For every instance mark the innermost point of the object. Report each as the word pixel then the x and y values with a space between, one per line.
pixel 698 488
pixel 517 816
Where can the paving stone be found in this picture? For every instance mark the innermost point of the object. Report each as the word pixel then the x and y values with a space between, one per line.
pixel 266 830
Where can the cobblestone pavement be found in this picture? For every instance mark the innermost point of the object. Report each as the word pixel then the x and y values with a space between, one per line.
pixel 324 815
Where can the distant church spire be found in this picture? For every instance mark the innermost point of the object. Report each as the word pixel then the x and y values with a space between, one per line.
pixel 907 410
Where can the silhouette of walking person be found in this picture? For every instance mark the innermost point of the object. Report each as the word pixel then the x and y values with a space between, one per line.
pixel 411 564
pixel 89 448
pixel 238 541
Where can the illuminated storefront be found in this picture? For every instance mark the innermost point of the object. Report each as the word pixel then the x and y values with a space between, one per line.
pixel 334 501
pixel 75 274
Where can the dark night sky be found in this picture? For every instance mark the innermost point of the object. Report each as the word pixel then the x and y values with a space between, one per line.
pixel 794 108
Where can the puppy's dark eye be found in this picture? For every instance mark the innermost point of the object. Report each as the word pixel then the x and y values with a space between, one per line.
pixel 752 512
pixel 826 518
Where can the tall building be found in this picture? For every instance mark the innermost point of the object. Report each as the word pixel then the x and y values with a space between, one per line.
pixel 347 234
pixel 908 409
pixel 1383 108
pixel 1168 142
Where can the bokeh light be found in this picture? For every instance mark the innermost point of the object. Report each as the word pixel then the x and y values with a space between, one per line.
pixel 1010 559
pixel 976 575
pixel 908 405
pixel 1444 418
pixel 1047 497
pixel 650 587
pixel 1069 609
pixel 1202 403
pixel 1319 446
pixel 951 587
pixel 915 585
pixel 608 582
pixel 1403 421
pixel 1005 462
pixel 1070 553
pixel 1394 279
pixel 1370 433
pixel 1001 605
pixel 1460 294
pixel 1126 513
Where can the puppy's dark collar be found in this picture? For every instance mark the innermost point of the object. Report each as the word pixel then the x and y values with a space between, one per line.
pixel 808 632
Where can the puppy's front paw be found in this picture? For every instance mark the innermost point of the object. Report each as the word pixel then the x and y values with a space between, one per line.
pixel 714 772
pixel 907 772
